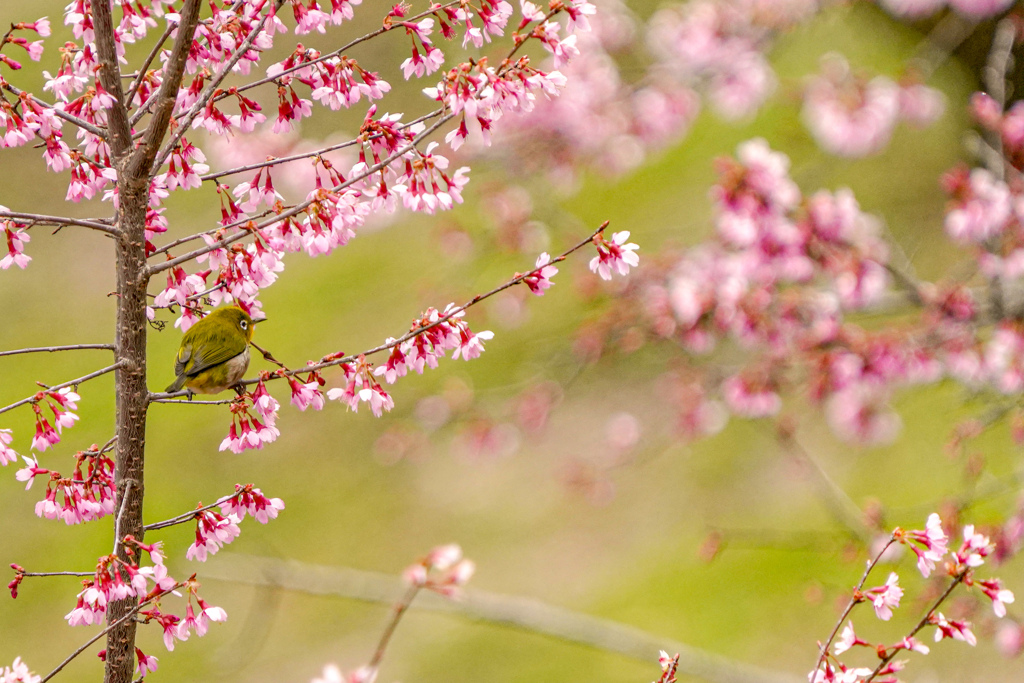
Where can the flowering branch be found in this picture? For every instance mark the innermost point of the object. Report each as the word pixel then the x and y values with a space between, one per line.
pixel 854 600
pixel 133 89
pixel 925 620
pixel 153 269
pixel 388 26
pixel 125 618
pixel 452 312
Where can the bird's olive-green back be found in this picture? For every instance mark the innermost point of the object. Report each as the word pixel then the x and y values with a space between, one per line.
pixel 215 339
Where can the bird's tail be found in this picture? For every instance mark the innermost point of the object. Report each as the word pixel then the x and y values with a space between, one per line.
pixel 178 383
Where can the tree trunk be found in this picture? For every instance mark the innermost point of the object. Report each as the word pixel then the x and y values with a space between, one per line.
pixel 132 401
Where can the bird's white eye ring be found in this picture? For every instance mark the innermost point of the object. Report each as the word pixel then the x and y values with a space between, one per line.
pixel 244 324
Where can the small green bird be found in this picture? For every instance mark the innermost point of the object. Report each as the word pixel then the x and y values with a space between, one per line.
pixel 214 353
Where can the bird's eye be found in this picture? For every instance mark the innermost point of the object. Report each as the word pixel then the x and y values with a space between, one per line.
pixel 244 325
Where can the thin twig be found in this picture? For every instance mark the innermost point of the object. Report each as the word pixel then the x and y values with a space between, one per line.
pixel 400 609
pixel 137 83
pixel 120 514
pixel 947 35
pixel 835 498
pixel 36 574
pixel 74 382
pixel 308 155
pixel 52 349
pixel 60 113
pixel 58 220
pixel 187 516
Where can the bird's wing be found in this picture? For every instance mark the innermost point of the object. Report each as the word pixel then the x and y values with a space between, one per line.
pixel 218 349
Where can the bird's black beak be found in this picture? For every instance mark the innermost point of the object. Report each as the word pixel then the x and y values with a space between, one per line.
pixel 260 320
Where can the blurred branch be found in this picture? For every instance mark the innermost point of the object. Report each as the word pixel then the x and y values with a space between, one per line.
pixel 838 502
pixel 526 614
pixel 52 349
pixel 997 66
pixel 949 33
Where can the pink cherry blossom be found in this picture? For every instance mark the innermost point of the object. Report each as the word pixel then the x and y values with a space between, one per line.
pixel 885 598
pixel 614 254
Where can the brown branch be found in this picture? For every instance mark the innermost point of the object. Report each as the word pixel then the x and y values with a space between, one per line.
pixel 109 75
pixel 162 397
pixel 52 349
pixel 74 382
pixel 142 160
pixel 307 155
pixel 58 220
pixel 187 516
pixel 137 83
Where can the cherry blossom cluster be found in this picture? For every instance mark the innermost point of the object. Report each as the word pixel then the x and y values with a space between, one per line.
pixel 609 120
pixel 1007 125
pixel 108 585
pixel 214 529
pixel 18 672
pixel 783 278
pixel 444 570
pixel 196 620
pixel 931 546
pixel 61 404
pixel 85 496
pixel 851 115
pixel 248 430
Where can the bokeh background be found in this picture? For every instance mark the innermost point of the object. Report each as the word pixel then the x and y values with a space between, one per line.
pixel 561 515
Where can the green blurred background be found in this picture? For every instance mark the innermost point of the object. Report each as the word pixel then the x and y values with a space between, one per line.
pixel 629 554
